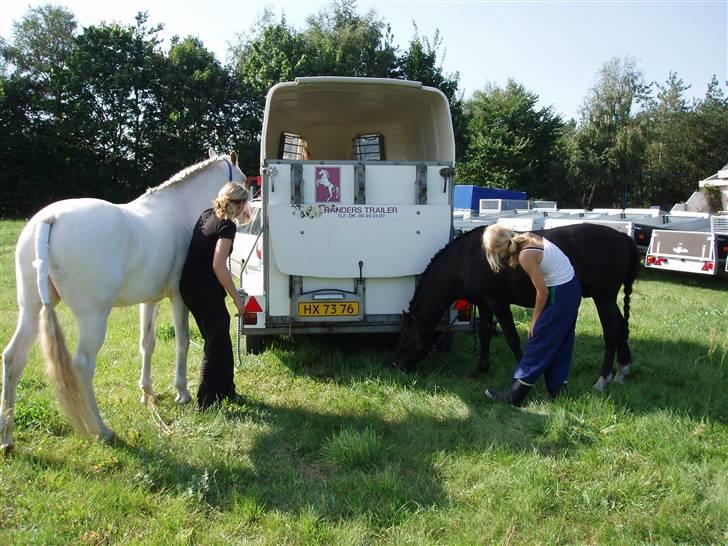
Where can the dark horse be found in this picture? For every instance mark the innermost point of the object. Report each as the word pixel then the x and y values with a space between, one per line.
pixel 604 260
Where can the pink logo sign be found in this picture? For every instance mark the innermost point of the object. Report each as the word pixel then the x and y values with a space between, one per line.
pixel 328 185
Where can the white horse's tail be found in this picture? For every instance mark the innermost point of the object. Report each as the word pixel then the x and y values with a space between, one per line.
pixel 59 366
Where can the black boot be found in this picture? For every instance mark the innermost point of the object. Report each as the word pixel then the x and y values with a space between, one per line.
pixel 557 391
pixel 514 396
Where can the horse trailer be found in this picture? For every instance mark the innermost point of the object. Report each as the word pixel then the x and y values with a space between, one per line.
pixel 357 188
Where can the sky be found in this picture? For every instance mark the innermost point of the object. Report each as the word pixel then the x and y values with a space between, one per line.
pixel 553 48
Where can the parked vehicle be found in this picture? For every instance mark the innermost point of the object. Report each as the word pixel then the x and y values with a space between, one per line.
pixel 672 221
pixel 248 245
pixel 357 185
pixel 701 251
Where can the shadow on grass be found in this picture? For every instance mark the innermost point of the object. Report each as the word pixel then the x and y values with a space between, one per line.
pixel 290 468
pixel 675 375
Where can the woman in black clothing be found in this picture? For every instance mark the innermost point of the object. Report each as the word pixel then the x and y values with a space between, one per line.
pixel 205 280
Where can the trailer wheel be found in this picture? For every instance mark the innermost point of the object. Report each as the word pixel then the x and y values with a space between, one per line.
pixel 255 344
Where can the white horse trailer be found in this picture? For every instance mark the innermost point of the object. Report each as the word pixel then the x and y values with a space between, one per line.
pixel 356 199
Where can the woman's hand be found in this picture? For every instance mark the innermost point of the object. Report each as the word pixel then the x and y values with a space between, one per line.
pixel 239 304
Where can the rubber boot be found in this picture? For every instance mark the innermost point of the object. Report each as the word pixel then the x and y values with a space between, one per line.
pixel 557 391
pixel 514 396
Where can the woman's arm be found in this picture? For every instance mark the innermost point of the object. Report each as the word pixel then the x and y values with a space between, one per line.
pixel 219 267
pixel 529 262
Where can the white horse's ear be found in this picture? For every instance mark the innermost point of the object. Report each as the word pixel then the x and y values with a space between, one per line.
pixel 212 153
pixel 234 158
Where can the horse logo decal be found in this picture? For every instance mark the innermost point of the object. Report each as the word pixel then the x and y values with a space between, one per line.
pixel 328 185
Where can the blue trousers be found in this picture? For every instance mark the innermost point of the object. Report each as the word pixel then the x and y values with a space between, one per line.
pixel 548 352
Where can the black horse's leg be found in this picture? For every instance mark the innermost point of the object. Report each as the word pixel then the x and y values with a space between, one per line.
pixel 485 334
pixel 624 355
pixel 613 332
pixel 503 314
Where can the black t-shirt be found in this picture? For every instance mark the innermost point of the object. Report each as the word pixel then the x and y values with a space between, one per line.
pixel 208 230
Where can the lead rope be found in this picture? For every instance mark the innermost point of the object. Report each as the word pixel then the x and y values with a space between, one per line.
pixel 475 328
pixel 439 339
pixel 156 418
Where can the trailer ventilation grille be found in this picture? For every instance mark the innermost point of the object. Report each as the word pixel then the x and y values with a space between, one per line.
pixel 293 146
pixel 368 147
pixel 719 224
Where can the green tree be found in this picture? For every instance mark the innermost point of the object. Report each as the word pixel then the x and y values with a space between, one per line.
pixel 709 129
pixel 513 144
pixel 32 109
pixel 198 107
pixel 340 42
pixel 665 176
pixel 609 143
pixel 42 42
pixel 113 83
pixel 271 53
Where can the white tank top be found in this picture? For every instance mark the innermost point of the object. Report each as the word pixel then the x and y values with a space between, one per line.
pixel 555 266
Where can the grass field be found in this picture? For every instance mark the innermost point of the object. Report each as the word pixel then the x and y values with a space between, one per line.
pixel 334 447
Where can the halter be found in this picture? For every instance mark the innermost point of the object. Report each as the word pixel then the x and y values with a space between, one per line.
pixel 230 170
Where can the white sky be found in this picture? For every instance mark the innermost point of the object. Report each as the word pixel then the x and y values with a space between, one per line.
pixel 554 48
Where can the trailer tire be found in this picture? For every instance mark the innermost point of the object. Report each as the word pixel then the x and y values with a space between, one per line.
pixel 255 345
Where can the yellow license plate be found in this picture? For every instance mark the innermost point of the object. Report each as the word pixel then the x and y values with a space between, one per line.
pixel 328 309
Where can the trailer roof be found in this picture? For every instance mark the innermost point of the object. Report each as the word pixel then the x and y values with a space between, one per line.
pixel 328 112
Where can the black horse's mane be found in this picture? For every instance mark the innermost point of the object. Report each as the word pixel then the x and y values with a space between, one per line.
pixel 446 250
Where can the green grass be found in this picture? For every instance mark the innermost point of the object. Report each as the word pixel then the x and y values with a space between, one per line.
pixel 334 447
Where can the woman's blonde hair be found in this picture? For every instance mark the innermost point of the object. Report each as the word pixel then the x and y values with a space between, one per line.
pixel 230 194
pixel 502 244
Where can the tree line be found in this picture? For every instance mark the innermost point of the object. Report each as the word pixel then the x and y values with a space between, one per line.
pixel 105 111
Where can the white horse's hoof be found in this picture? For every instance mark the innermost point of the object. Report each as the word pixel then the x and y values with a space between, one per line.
pixel 622 374
pixel 148 395
pixel 183 398
pixel 601 384
pixel 107 435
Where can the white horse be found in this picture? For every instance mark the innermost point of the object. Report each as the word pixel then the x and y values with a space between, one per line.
pixel 96 255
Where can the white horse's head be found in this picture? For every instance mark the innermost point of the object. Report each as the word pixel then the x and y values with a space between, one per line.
pixel 235 174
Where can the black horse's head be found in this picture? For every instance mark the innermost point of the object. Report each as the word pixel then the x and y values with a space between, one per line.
pixel 411 347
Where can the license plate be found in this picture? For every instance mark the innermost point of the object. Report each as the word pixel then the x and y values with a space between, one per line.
pixel 329 309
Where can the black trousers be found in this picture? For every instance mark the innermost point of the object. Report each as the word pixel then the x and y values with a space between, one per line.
pixel 205 299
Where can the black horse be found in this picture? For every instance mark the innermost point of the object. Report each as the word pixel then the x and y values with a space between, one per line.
pixel 604 260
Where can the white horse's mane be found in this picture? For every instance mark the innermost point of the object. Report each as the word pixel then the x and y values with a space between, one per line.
pixel 183 175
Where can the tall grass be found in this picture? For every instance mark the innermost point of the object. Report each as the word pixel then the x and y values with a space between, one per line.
pixel 332 446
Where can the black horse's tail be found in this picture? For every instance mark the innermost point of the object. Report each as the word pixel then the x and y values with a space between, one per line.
pixel 632 270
